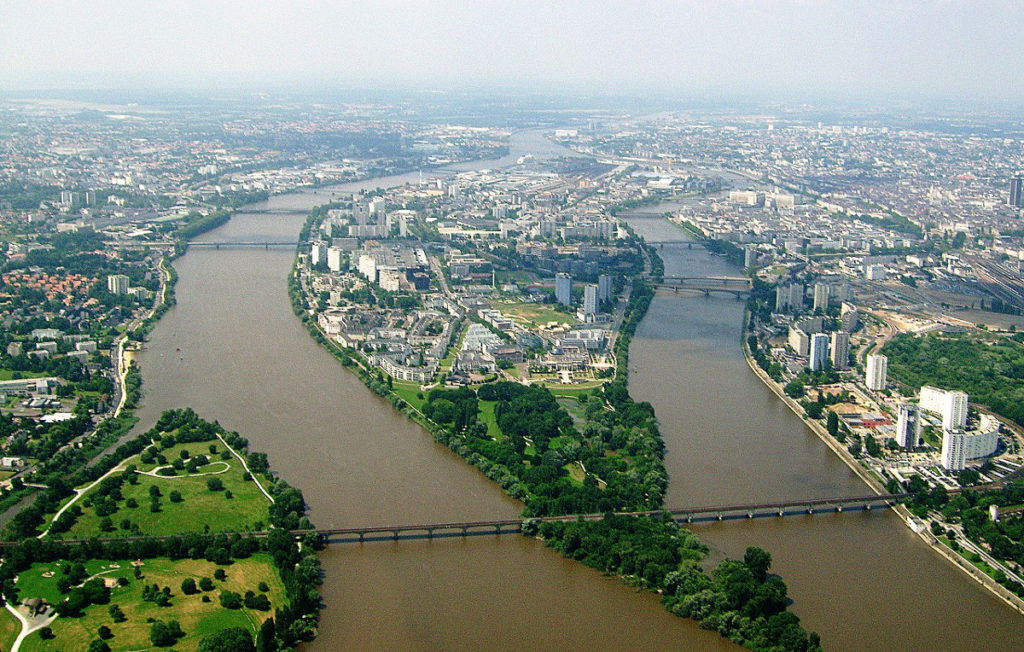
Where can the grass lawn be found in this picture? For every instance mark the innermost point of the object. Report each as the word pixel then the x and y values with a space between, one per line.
pixel 200 507
pixel 197 618
pixel 533 314
pixel 5 374
pixel 487 416
pixel 408 391
pixel 9 629
pixel 572 391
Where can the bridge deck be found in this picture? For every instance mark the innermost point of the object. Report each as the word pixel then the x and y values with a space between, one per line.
pixel 514 525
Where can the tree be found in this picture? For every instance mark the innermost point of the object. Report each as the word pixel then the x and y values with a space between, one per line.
pixel 230 600
pixel 98 645
pixel 214 484
pixel 117 614
pixel 104 632
pixel 758 561
pixel 206 584
pixel 265 637
pixel 163 634
pixel 232 639
pixel 832 423
pixel 176 497
pixel 188 586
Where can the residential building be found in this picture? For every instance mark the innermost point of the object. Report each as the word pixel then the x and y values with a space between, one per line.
pixel 875 371
pixel 908 426
pixel 335 259
pixel 1016 197
pixel 799 341
pixel 954 452
pixel 590 303
pixel 840 350
pixel 849 317
pixel 117 284
pixel 818 352
pixel 822 293
pixel 563 288
pixel 789 296
pixel 950 405
pixel 604 287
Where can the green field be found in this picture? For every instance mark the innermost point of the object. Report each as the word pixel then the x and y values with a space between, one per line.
pixel 197 618
pixel 487 416
pixel 9 629
pixel 200 508
pixel 408 391
pixel 532 314
pixel 5 374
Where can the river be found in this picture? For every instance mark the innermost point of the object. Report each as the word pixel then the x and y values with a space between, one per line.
pixel 232 349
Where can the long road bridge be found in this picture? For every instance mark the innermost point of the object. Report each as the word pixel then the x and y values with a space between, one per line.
pixel 515 525
pixel 254 243
pixel 737 286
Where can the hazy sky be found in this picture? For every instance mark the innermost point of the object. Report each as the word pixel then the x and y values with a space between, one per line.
pixel 944 49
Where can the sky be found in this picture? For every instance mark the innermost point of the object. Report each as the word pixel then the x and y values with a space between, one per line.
pixel 785 49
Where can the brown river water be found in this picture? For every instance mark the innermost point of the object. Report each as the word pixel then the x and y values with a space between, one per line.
pixel 232 349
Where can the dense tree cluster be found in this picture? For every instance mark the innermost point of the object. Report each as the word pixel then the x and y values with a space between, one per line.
pixel 739 599
pixel 991 372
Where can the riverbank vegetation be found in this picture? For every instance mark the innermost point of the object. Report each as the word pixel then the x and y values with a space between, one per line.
pixel 739 599
pixel 197 224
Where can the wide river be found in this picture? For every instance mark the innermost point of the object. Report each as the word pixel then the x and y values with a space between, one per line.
pixel 232 349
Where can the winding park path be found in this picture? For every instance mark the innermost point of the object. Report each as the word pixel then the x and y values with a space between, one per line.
pixel 155 473
pixel 28 624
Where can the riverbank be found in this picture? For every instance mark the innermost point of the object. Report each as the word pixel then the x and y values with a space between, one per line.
pixel 1012 600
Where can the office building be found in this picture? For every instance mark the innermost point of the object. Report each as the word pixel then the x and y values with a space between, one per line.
pixel 908 426
pixel 840 350
pixel 590 300
pixel 1017 191
pixel 875 372
pixel 563 288
pixel 951 406
pixel 819 351
pixel 954 451
pixel 604 287
pixel 117 284
pixel 822 293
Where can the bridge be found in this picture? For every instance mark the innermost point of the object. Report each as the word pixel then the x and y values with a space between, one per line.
pixel 232 245
pixel 737 286
pixel 515 525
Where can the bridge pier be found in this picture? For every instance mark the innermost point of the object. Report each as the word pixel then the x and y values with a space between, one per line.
pixel 497 529
pixel 395 532
pixel 465 530
pixel 430 533
pixel 750 514
pixel 719 516
pixel 839 508
pixel 867 506
pixel 810 509
pixel 781 512
pixel 362 536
